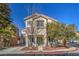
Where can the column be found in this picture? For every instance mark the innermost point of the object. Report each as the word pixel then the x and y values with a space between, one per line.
pixel 27 42
pixel 35 39
pixel 45 41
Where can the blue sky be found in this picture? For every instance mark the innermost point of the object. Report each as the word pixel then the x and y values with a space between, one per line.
pixel 65 13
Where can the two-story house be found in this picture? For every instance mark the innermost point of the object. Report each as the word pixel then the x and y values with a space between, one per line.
pixel 36 29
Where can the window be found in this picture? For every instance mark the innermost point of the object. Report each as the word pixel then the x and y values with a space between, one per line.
pixel 40 24
pixel 29 22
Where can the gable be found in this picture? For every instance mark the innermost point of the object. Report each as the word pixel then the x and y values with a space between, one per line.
pixel 36 15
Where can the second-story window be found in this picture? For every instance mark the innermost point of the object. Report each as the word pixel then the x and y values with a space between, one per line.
pixel 40 24
pixel 29 22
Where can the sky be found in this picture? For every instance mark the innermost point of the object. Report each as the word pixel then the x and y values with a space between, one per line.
pixel 63 12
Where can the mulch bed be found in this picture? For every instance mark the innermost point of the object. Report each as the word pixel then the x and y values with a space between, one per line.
pixel 59 52
pixel 51 48
pixel 29 48
pixel 45 48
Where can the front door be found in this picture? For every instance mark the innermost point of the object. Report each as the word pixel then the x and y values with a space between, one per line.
pixel 31 41
pixel 40 41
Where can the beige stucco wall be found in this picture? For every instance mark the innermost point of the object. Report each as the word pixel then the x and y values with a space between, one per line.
pixel 37 31
pixel 40 31
pixel 26 25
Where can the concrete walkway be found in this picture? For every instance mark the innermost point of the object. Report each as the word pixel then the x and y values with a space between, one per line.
pixel 12 50
pixel 76 51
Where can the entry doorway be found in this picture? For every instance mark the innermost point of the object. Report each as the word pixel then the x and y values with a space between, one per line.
pixel 40 40
pixel 31 41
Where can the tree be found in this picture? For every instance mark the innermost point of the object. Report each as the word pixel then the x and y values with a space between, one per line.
pixel 7 29
pixel 71 32
pixel 60 31
pixel 52 29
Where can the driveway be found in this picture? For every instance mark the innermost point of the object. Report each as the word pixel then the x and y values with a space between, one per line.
pixel 12 50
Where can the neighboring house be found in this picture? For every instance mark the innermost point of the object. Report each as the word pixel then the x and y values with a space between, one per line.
pixel 36 29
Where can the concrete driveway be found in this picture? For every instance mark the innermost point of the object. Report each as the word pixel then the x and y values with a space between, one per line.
pixel 12 50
